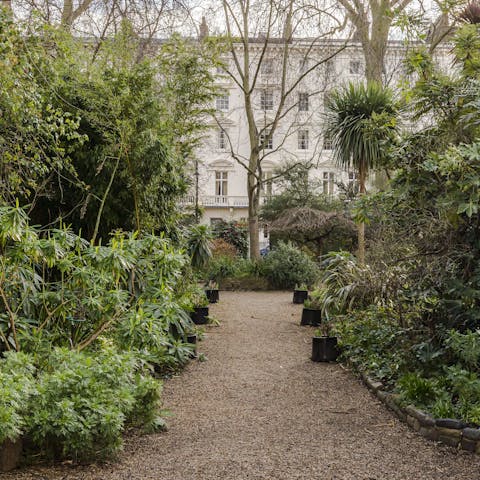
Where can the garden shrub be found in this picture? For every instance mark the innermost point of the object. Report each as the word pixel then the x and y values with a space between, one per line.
pixel 16 387
pixel 222 267
pixel 221 248
pixel 373 339
pixel 83 402
pixel 287 266
pixel 234 233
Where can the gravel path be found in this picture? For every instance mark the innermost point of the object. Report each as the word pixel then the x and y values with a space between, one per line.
pixel 258 408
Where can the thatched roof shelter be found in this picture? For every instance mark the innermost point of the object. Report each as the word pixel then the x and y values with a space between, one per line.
pixel 308 221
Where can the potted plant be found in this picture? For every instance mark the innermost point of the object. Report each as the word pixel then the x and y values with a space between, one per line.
pixel 192 339
pixel 324 344
pixel 300 294
pixel 211 291
pixel 312 311
pixel 199 315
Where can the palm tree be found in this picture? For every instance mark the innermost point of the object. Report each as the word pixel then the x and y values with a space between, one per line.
pixel 361 122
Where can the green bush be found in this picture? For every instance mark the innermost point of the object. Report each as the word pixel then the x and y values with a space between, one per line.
pixel 234 233
pixel 287 266
pixel 83 402
pixel 373 339
pixel 222 267
pixel 16 388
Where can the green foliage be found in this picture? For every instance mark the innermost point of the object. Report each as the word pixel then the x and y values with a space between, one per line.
pixel 198 245
pixel 361 123
pixel 345 283
pixel 287 266
pixel 222 267
pixel 418 390
pixel 16 388
pixel 465 347
pixel 36 135
pixel 373 339
pixel 234 233
pixel 83 402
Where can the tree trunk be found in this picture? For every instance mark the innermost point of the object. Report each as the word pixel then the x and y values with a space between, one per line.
pixel 253 209
pixel 361 226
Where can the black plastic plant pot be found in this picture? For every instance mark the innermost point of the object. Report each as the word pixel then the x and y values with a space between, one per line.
pixel 311 317
pixel 299 296
pixel 192 339
pixel 212 295
pixel 324 349
pixel 199 315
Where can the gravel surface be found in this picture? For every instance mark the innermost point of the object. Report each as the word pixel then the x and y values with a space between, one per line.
pixel 258 408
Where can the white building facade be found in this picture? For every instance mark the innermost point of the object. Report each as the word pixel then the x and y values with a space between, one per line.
pixel 299 136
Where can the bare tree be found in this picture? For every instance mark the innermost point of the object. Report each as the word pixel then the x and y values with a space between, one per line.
pixel 372 20
pixel 269 65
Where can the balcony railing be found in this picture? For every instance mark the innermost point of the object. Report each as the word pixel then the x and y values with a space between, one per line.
pixel 222 201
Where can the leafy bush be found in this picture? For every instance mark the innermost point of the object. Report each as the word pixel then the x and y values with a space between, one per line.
pixel 221 248
pixel 16 388
pixel 83 402
pixel 373 339
pixel 222 267
pixel 234 233
pixel 418 390
pixel 198 245
pixel 287 266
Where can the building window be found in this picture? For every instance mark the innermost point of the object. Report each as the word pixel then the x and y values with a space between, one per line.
pixel 222 140
pixel 330 67
pixel 223 103
pixel 267 183
pixel 221 184
pixel 266 68
pixel 353 181
pixel 327 142
pixel 303 102
pixel 303 66
pixel 303 139
pixel 355 67
pixel 266 100
pixel 269 144
pixel 328 183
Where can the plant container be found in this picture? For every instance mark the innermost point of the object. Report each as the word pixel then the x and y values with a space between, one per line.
pixel 192 339
pixel 299 296
pixel 324 349
pixel 311 317
pixel 10 454
pixel 212 295
pixel 199 315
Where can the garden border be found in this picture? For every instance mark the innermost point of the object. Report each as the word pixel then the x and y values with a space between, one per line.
pixel 448 431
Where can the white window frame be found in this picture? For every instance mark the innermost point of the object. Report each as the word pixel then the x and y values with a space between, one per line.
pixel 303 65
pixel 266 100
pixel 303 102
pixel 327 143
pixel 223 103
pixel 266 68
pixel 222 139
pixel 303 139
pixel 221 183
pixel 261 139
pixel 355 67
pixel 267 183
pixel 328 182
pixel 330 67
